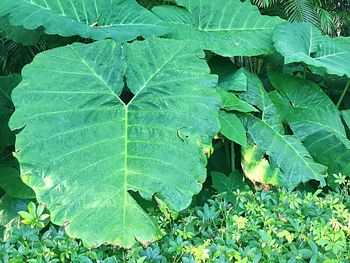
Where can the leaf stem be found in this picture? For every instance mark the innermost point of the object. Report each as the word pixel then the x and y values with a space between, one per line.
pixel 343 94
pixel 305 69
pixel 233 156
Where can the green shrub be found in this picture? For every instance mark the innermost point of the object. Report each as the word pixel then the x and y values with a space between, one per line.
pixel 258 227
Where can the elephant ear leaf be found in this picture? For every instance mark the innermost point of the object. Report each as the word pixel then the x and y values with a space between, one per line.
pixel 315 119
pixel 121 20
pixel 286 154
pixel 302 42
pixel 282 159
pixel 228 28
pixel 256 95
pixel 85 151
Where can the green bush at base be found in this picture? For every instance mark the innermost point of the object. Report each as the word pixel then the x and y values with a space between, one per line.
pixel 258 227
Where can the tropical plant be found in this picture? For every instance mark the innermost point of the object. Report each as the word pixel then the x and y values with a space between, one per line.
pixel 332 17
pixel 119 113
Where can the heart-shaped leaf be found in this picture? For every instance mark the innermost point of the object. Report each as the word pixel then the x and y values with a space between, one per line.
pixel 84 150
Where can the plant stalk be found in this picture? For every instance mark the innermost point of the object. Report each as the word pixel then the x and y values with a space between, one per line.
pixel 343 94
pixel 305 70
pixel 233 156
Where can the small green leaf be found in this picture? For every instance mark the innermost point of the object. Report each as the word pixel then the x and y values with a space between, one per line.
pixel 44 217
pixel 228 184
pixel 27 221
pixel 231 102
pixel 40 210
pixel 32 209
pixel 232 128
pixel 26 215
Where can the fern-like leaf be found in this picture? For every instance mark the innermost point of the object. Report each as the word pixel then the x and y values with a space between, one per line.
pixel 301 10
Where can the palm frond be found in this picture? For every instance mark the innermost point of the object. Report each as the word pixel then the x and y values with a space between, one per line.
pixel 301 10
pixel 14 56
pixel 327 21
pixel 264 3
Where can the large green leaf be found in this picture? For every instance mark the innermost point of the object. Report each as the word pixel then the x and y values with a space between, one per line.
pixel 302 42
pixel 226 27
pixel 256 95
pixel 118 19
pixel 284 152
pixel 315 119
pixel 6 108
pixel 83 149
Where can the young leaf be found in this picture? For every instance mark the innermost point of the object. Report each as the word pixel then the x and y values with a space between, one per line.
pixel 83 149
pixel 40 210
pixel 118 19
pixel 32 208
pixel 302 42
pixel 26 216
pixel 228 28
pixel 232 128
pixel 230 102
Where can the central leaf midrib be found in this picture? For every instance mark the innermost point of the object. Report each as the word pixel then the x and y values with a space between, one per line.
pixel 126 129
pixel 126 112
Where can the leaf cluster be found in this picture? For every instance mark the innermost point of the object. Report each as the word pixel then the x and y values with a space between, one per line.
pixel 256 227
pixel 120 101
